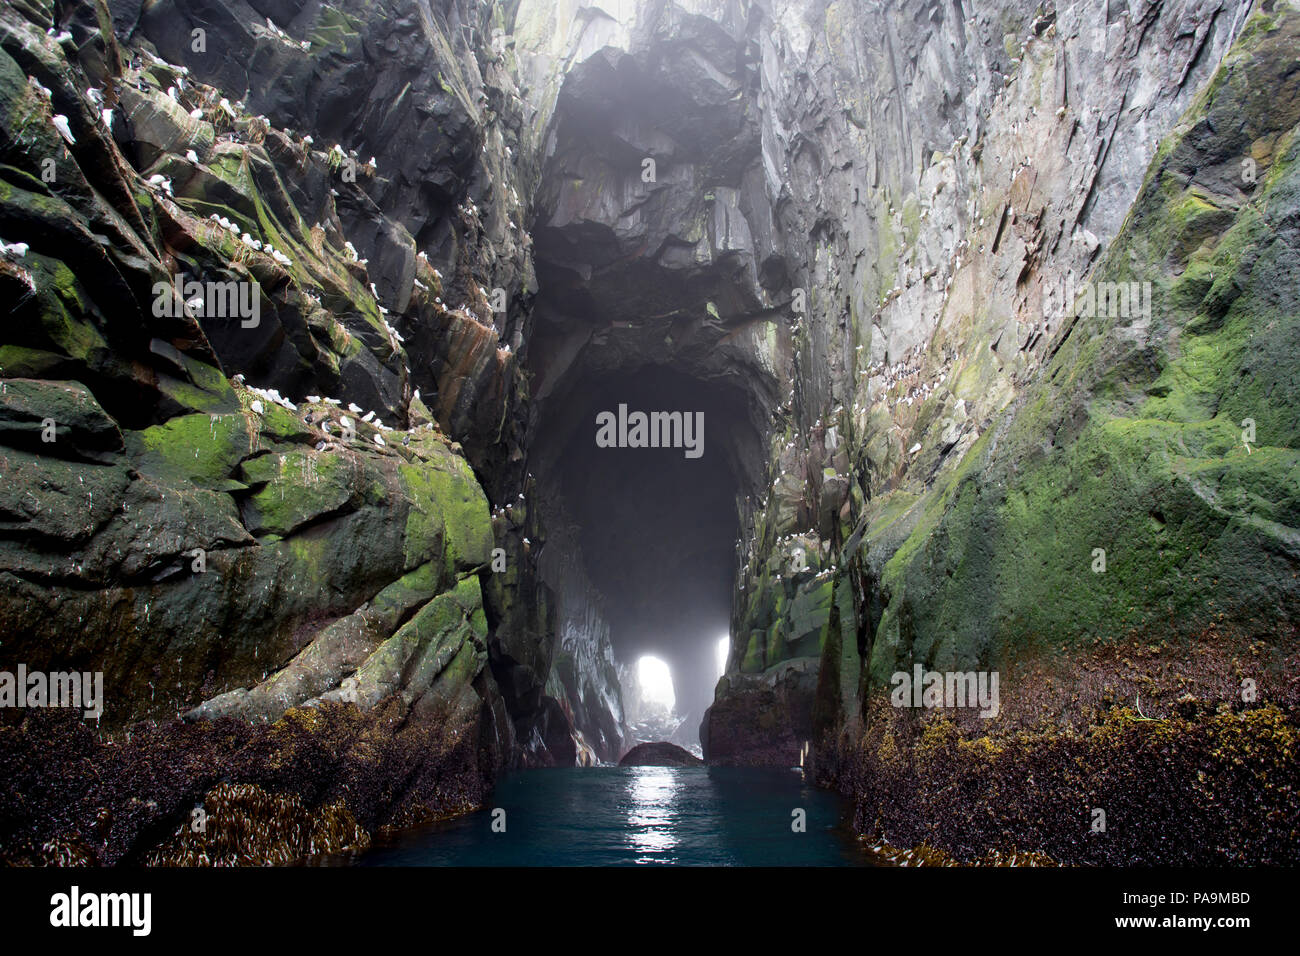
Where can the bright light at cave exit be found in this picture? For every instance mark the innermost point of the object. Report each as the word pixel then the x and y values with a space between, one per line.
pixel 724 648
pixel 656 682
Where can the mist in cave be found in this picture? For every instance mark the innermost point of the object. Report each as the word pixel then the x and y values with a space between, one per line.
pixel 656 528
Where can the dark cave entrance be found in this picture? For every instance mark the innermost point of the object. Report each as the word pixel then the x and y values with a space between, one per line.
pixel 656 528
pixel 657 282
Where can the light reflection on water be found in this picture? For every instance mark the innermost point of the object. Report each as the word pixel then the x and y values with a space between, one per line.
pixel 651 814
pixel 603 816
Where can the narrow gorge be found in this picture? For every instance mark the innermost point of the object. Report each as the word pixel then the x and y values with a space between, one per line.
pixel 965 332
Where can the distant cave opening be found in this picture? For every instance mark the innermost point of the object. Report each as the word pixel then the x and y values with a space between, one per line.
pixel 658 278
pixel 654 528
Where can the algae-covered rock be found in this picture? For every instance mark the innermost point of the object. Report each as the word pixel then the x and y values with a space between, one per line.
pixel 1147 483
pixel 237 498
pixel 447 513
pixel 413 659
pixel 56 418
pixel 298 487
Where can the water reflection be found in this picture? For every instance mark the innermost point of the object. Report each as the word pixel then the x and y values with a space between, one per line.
pixel 653 811
pixel 602 816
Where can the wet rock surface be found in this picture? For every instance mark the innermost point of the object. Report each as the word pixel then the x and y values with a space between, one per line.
pixel 659 753
pixel 761 720
pixel 249 371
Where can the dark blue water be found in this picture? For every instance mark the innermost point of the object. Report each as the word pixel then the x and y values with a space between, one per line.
pixel 603 816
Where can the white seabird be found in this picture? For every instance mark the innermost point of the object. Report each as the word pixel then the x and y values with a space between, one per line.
pixel 61 124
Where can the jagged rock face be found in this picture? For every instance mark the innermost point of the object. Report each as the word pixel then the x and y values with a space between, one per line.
pixel 762 719
pixel 997 150
pixel 582 674
pixel 1140 425
pixel 644 254
pixel 649 293
pixel 260 514
pixel 429 99
pixel 936 213
pixel 871 235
